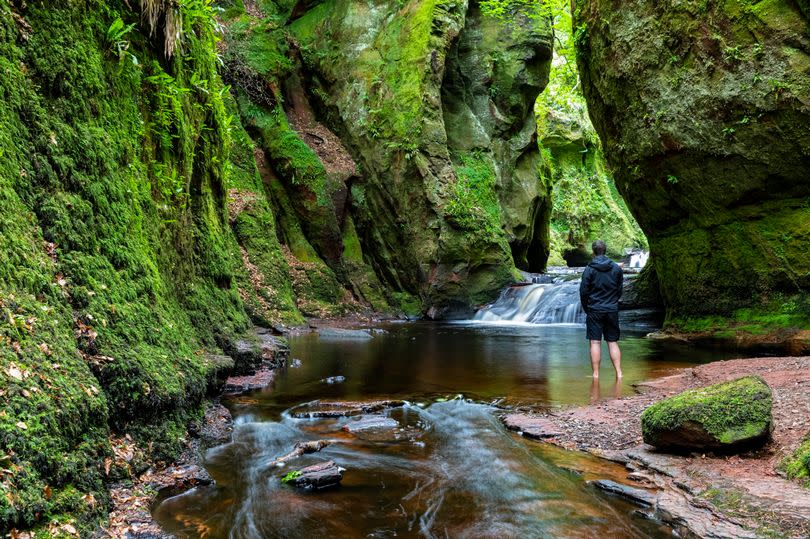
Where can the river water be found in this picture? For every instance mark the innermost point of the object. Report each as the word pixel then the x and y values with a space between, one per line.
pixel 449 469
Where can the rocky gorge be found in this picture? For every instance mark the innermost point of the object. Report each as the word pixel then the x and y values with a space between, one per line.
pixel 176 173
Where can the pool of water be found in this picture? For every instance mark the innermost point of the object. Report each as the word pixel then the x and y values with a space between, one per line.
pixel 449 469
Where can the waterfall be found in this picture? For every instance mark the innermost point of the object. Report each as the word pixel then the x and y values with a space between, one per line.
pixel 638 259
pixel 549 303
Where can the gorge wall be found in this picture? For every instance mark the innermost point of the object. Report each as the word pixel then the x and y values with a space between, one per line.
pixel 431 103
pixel 352 159
pixel 704 112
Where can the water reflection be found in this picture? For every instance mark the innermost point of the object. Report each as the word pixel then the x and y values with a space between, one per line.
pixel 449 469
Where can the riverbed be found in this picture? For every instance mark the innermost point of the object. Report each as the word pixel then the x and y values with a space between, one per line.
pixel 447 468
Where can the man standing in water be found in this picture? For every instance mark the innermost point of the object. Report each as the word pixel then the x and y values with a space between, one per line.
pixel 599 292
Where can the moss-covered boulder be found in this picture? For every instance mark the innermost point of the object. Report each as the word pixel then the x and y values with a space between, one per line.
pixel 719 417
pixel 702 110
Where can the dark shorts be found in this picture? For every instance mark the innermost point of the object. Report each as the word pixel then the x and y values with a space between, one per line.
pixel 598 324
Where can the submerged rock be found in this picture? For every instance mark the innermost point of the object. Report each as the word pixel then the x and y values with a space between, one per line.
pixel 371 422
pixel 325 409
pixel 724 416
pixel 339 333
pixel 316 477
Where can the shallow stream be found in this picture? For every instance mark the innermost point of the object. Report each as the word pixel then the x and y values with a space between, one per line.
pixel 449 469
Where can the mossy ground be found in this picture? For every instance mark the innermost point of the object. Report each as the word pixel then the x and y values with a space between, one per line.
pixel 797 465
pixel 729 412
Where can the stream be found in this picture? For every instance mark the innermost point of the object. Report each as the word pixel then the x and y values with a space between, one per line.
pixel 449 468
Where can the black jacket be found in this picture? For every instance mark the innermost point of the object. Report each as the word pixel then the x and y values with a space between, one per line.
pixel 601 286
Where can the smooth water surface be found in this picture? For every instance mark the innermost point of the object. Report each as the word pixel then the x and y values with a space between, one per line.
pixel 450 469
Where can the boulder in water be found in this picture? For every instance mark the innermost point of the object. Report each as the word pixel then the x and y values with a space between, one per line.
pixel 370 422
pixel 723 416
pixel 316 477
pixel 350 334
pixel 325 409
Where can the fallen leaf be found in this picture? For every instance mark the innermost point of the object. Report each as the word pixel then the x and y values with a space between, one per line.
pixel 107 464
pixel 22 425
pixel 14 372
pixel 47 492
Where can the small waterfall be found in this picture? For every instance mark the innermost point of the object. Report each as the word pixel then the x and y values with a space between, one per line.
pixel 638 259
pixel 550 303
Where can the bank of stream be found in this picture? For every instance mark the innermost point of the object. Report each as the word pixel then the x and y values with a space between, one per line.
pixel 444 466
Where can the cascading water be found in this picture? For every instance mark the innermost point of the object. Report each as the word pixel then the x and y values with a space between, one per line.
pixel 552 303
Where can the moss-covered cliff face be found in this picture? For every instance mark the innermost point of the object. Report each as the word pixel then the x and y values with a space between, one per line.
pixel 119 272
pixel 703 111
pixel 305 172
pixel 434 102
pixel 586 205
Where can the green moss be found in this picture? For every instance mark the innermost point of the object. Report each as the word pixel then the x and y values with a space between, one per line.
pixel 780 312
pixel 473 205
pixel 117 263
pixel 797 465
pixel 729 412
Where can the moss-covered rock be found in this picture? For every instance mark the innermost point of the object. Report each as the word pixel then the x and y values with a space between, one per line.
pixel 718 417
pixel 435 103
pixel 701 107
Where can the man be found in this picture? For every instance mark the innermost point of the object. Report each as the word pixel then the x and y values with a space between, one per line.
pixel 599 292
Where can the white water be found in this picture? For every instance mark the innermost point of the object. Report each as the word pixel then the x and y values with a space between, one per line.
pixel 556 303
pixel 638 259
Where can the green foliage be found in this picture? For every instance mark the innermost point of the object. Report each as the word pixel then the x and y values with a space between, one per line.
pixel 473 205
pixel 730 412
pixel 116 34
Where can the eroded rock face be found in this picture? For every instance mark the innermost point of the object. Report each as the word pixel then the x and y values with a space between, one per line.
pixel 435 104
pixel 722 416
pixel 703 111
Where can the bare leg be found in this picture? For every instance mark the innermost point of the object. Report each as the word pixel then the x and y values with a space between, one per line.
pixel 615 357
pixel 596 357
pixel 594 389
pixel 617 388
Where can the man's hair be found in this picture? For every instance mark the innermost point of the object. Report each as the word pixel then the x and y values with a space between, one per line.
pixel 599 247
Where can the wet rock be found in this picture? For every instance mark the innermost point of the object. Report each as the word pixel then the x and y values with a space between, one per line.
pixel 216 428
pixel 339 333
pixel 334 380
pixel 316 477
pixel 324 409
pixel 301 448
pixel 531 427
pixel 295 363
pixel 251 382
pixel 371 422
pixel 638 496
pixel 725 416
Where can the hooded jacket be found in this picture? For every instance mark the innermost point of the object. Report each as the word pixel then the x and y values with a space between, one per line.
pixel 601 286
